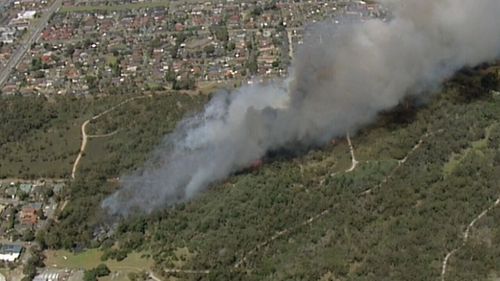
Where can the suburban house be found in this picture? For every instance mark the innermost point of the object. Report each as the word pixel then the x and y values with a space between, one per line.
pixel 10 253
pixel 31 213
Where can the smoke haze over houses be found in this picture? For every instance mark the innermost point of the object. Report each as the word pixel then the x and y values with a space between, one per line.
pixel 341 78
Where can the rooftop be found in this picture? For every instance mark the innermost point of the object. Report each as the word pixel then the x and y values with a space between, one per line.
pixel 7 249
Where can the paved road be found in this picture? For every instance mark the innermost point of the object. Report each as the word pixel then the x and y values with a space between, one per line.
pixel 33 34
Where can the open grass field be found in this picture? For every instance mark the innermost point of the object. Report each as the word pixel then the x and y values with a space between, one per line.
pixel 135 262
pixel 89 259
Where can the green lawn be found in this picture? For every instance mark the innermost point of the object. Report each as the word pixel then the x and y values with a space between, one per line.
pixel 91 258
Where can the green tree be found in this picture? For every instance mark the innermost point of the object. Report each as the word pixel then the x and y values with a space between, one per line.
pixel 209 49
pixel 30 271
pixel 257 11
pixel 28 235
pixel 91 81
pixel 276 63
pixel 170 75
pixel 36 64
pixel 23 196
pixel 252 64
pixel 220 33
pixel 231 46
pixel 40 238
pixel 102 270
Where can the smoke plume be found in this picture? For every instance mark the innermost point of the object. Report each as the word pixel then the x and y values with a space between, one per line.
pixel 341 77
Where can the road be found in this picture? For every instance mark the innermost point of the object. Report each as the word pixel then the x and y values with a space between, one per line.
pixel 32 36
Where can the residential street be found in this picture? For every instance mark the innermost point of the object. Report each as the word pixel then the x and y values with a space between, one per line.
pixel 32 36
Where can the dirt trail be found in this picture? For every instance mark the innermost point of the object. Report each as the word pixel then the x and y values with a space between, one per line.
pixel 465 237
pixel 85 137
pixel 187 271
pixel 278 235
pixel 353 157
pixel 82 148
pixel 103 135
pixel 154 277
pixel 400 163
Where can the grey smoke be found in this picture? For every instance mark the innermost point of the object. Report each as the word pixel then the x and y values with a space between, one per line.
pixel 341 78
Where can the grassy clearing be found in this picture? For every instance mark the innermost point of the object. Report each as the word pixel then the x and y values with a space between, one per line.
pixel 135 262
pixel 91 258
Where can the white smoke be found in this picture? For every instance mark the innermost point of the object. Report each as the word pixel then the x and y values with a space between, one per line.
pixel 342 77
